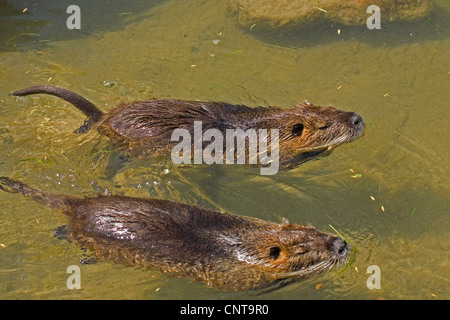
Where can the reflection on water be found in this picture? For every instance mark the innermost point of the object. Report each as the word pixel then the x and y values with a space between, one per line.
pixel 33 25
pixel 386 192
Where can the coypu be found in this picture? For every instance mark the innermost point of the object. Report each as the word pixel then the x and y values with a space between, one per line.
pixel 229 252
pixel 144 128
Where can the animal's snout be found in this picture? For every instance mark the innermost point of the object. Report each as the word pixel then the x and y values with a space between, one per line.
pixel 355 121
pixel 340 247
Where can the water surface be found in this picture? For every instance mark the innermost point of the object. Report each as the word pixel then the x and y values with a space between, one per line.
pixel 387 193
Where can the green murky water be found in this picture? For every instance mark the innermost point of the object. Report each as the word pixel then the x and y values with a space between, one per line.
pixel 388 192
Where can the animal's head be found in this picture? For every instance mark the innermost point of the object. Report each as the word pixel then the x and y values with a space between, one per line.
pixel 287 252
pixel 311 128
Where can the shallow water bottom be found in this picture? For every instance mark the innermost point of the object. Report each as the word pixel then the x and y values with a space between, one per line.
pixel 387 192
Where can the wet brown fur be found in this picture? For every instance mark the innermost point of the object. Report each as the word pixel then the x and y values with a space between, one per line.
pixel 229 252
pixel 144 128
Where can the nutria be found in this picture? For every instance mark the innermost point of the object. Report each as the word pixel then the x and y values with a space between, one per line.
pixel 144 129
pixel 229 252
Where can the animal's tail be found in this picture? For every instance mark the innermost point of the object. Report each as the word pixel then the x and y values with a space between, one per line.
pixel 78 101
pixel 56 201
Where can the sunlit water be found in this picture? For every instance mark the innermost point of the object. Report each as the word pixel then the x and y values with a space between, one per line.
pixel 387 193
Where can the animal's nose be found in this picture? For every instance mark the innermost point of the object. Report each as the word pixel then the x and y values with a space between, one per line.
pixel 340 247
pixel 355 121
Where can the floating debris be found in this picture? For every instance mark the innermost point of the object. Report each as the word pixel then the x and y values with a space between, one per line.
pixel 229 54
pixel 340 235
pixel 323 10
pixel 36 159
pixel 109 84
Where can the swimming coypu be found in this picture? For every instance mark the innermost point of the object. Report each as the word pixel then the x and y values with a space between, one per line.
pixel 229 252
pixel 144 128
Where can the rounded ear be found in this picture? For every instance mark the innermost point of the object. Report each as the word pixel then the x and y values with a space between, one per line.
pixel 274 252
pixel 297 129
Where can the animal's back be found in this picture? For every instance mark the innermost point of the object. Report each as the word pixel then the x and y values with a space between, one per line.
pixel 150 233
pixel 227 251
pixel 144 119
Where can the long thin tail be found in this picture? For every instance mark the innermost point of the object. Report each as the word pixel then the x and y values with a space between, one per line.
pixel 78 101
pixel 56 201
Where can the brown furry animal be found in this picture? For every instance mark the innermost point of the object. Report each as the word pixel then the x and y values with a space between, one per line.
pixel 144 128
pixel 228 252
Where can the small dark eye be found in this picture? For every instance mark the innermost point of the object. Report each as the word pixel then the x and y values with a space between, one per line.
pixel 274 252
pixel 297 129
pixel 323 127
